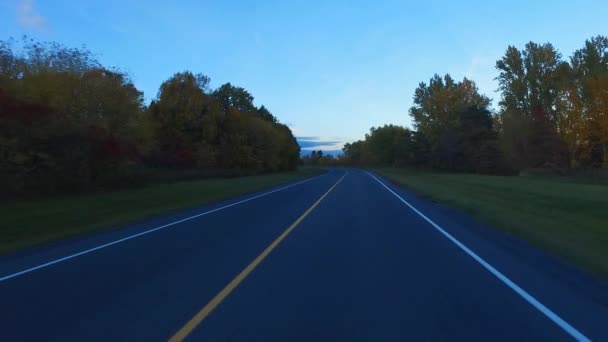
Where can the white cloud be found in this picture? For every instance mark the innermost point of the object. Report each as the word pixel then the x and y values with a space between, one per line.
pixel 331 147
pixel 309 143
pixel 29 17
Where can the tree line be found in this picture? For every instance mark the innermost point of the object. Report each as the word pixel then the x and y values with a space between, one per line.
pixel 68 123
pixel 552 115
pixel 317 158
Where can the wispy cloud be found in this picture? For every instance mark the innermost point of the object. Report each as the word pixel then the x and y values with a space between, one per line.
pixel 319 143
pixel 29 17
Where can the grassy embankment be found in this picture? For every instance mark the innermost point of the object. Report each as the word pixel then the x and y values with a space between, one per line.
pixel 31 222
pixel 566 216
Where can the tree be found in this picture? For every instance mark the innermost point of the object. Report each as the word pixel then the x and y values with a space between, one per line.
pixel 529 79
pixel 437 112
pixel 421 149
pixel 477 141
pixel 221 128
pixel 387 145
pixel 289 153
pixel 530 82
pixel 67 123
pixel 353 151
pixel 265 114
pixel 185 119
pixel 232 97
pixel 327 160
pixel 590 96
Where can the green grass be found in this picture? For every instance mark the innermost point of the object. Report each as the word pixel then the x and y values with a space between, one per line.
pixel 566 217
pixel 32 222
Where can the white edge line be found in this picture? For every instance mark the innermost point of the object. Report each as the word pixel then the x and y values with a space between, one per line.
pixel 525 295
pixel 71 256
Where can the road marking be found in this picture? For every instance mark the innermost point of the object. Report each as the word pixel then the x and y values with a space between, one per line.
pixel 225 292
pixel 576 334
pixel 72 256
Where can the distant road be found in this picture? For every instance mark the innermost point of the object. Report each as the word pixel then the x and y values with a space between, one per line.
pixel 345 256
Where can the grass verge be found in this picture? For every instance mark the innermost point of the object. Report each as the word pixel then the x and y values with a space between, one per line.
pixel 568 218
pixel 32 222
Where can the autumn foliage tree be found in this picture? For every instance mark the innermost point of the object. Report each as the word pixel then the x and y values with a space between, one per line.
pixel 554 111
pixel 67 123
pixel 589 100
pixel 552 117
pixel 455 120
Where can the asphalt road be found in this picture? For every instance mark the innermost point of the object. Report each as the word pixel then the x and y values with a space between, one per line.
pixel 343 256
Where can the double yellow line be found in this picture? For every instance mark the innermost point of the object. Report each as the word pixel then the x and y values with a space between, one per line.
pixel 207 309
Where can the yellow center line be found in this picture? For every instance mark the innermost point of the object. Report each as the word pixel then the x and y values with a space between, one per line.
pixel 207 309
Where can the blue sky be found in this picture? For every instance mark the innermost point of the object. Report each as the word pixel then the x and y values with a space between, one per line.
pixel 329 69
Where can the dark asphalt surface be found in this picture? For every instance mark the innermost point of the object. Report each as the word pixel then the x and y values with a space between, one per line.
pixel 361 266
